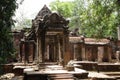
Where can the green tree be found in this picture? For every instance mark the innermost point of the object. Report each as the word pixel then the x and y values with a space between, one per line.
pixel 94 18
pixel 99 19
pixel 64 8
pixel 118 11
pixel 78 10
pixel 7 8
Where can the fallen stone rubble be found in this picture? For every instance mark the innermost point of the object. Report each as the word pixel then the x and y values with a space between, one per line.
pixel 7 76
pixel 10 76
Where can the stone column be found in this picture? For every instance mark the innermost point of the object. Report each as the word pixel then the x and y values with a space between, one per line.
pixel 75 51
pixel 26 51
pixel 31 51
pixel 83 51
pixel 22 51
pixel 118 31
pixel 35 52
pixel 56 51
pixel 100 53
pixel 47 52
pixel 83 48
pixel 59 52
pixel 117 56
pixel 57 48
pixel 109 53
pixel 67 55
pixel 39 51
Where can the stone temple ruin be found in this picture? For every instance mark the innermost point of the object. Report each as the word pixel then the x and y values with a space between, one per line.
pixel 49 40
pixel 50 50
pixel 49 34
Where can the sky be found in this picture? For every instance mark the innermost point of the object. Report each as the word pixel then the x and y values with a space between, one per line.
pixel 30 8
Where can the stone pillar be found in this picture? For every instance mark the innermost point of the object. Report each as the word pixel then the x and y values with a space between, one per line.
pixel 31 51
pixel 100 53
pixel 56 50
pixel 22 51
pixel 109 53
pixel 79 51
pixel 83 52
pixel 66 54
pixel 118 31
pixel 83 48
pixel 47 52
pixel 26 51
pixel 53 54
pixel 117 56
pixel 39 51
pixel 75 52
pixel 60 53
pixel 36 52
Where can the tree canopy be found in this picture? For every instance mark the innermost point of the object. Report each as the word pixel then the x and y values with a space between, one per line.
pixel 7 8
pixel 64 8
pixel 94 18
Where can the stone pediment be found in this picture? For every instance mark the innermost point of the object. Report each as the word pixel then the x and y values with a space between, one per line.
pixel 40 16
pixel 56 20
pixel 43 12
pixel 48 20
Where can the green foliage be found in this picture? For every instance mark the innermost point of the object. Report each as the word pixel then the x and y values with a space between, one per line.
pixel 78 9
pixel 7 8
pixel 94 18
pixel 64 8
pixel 100 20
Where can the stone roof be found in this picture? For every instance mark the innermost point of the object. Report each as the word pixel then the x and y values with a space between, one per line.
pixel 46 20
pixel 43 12
pixel 40 16
pixel 46 17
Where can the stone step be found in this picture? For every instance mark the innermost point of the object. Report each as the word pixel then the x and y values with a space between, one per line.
pixel 112 74
pixel 108 67
pixel 61 77
pixel 100 76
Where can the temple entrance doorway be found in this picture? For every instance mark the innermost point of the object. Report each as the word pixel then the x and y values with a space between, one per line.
pixel 53 44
